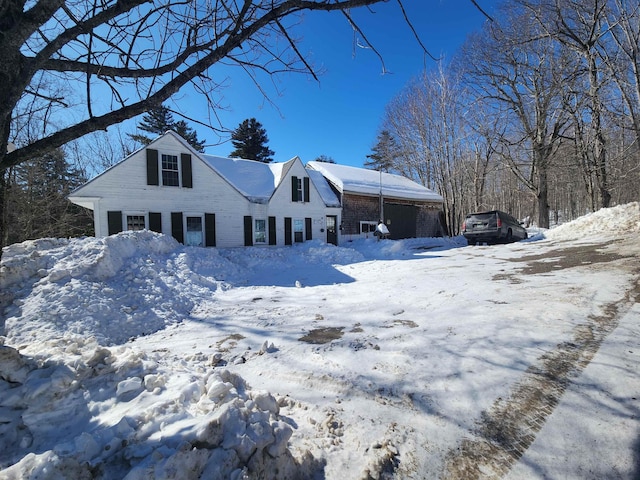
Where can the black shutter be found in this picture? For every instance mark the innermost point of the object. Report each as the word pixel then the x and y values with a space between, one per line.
pixel 306 189
pixel 155 222
pixel 209 229
pixel 248 231
pixel 176 226
pixel 152 167
pixel 287 231
pixel 307 228
pixel 114 219
pixel 187 180
pixel 272 230
pixel 294 189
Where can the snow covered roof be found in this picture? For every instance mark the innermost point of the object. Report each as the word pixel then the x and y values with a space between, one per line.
pixel 324 189
pixel 255 180
pixel 370 182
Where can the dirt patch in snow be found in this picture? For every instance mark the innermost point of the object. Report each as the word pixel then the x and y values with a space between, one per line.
pixel 229 342
pixel 570 257
pixel 323 335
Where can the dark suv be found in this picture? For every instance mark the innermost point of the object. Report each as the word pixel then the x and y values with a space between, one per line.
pixel 492 227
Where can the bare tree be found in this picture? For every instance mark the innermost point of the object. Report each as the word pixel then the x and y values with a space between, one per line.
pixel 406 119
pixel 580 26
pixel 483 141
pixel 427 121
pixel 519 74
pixel 117 59
pixel 623 21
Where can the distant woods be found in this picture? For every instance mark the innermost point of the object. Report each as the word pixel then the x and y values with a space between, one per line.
pixel 37 206
pixel 538 114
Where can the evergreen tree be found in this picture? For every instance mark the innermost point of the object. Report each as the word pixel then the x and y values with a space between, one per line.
pixel 189 134
pixel 384 153
pixel 37 199
pixel 325 159
pixel 159 121
pixel 250 142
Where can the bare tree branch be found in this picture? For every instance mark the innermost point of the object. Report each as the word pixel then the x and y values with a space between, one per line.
pixel 415 34
pixel 156 48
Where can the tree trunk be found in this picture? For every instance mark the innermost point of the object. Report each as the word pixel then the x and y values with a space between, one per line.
pixel 543 199
pixel 3 209
pixel 599 147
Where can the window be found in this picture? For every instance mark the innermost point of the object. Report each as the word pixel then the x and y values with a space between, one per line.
pixel 260 231
pixel 298 230
pixel 194 238
pixel 135 222
pixel 170 173
pixel 368 227
pixel 299 195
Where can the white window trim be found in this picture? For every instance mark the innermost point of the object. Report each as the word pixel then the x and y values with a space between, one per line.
pixel 184 225
pixel 255 231
pixel 179 161
pixel 372 227
pixel 300 188
pixel 126 214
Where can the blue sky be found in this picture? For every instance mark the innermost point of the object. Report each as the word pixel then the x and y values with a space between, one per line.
pixel 341 115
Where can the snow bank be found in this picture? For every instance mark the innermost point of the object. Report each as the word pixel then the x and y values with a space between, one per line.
pixel 115 413
pixel 617 220
pixel 113 289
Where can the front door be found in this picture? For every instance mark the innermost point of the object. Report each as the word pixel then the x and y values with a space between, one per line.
pixel 332 231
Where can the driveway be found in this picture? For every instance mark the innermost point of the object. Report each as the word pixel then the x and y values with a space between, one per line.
pixel 536 409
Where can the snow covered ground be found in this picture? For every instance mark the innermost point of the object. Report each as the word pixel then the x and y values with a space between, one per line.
pixel 135 357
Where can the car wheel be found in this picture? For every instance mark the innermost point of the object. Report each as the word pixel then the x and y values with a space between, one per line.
pixel 509 236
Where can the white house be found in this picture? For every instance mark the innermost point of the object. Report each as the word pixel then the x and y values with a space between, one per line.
pixel 204 200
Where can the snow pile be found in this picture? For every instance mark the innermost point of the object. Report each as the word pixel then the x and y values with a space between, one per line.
pixel 113 289
pixel 76 402
pixel 617 220
pixel 116 413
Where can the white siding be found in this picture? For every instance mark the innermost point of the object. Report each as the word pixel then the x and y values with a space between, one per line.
pixel 281 205
pixel 123 188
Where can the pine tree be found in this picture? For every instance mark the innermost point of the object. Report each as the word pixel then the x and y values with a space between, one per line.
pixel 384 153
pixel 324 159
pixel 37 199
pixel 159 121
pixel 250 142
pixel 190 135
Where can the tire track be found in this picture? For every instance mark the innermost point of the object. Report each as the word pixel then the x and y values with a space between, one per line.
pixel 507 429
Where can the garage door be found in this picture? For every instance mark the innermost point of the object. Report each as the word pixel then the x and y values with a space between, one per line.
pixel 401 220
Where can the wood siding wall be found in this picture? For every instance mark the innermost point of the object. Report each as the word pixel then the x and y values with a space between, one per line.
pixel 357 208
